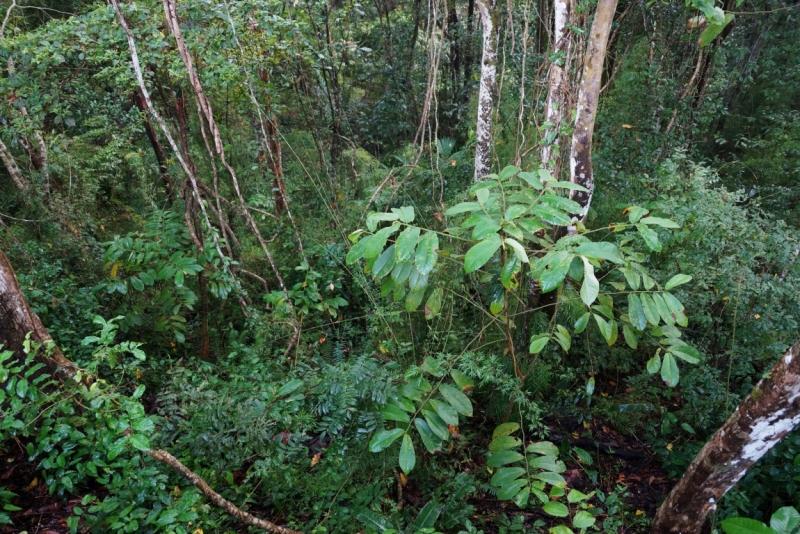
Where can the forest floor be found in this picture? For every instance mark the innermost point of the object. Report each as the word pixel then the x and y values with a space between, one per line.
pixel 622 465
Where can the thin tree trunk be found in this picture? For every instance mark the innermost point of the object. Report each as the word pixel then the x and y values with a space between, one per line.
pixel 766 416
pixel 158 150
pixel 17 320
pixel 558 83
pixel 11 166
pixel 581 154
pixel 483 130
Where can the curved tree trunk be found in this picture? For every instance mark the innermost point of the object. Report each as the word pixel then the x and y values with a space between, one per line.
pixel 581 153
pixel 483 130
pixel 766 416
pixel 17 320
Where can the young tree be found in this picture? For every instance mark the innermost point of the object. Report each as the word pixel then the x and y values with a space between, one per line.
pixel 766 416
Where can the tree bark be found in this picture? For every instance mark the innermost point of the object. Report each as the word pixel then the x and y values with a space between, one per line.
pixel 483 130
pixel 158 150
pixel 13 170
pixel 766 416
pixel 558 81
pixel 581 153
pixel 17 320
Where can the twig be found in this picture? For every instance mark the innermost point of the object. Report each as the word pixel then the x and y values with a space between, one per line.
pixel 216 498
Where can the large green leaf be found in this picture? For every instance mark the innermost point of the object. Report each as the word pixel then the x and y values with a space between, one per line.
pixel 436 424
pixel 434 303
pixel 556 266
pixel 462 208
pixel 431 441
pixel 384 264
pixel 392 412
pixel 583 519
pixel 590 287
pixel 551 215
pixel 556 509
pixel 428 515
pixel 677 280
pixel 745 525
pixel 505 429
pixel 606 329
pixel 383 438
pixel 414 298
pixel 376 522
pixel 630 336
pixel 785 520
pixel 650 237
pixel 506 475
pixel 406 244
pixel 378 241
pixel 546 448
pixel 650 310
pixel 600 250
pixel 374 218
pixel 669 371
pixel 508 492
pixel 407 459
pixel 401 272
pixel 676 309
pixel 663 309
pixel 479 254
pixel 448 414
pixel 636 312
pixel 554 479
pixel 504 457
pixel 686 353
pixel 427 253
pixel 519 250
pixel 713 30
pixel 457 400
pixel 502 443
pixel 582 322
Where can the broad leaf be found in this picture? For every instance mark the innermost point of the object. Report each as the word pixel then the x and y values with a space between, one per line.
pixel 650 237
pixel 583 519
pixel 502 443
pixel 405 244
pixel 427 253
pixel 505 429
pixel 457 400
pixel 504 457
pixel 744 525
pixel 677 280
pixel 383 438
pixel 785 520
pixel 431 442
pixel 407 458
pixel 636 312
pixel 600 250
pixel 556 509
pixel 590 287
pixel 481 253
pixel 434 303
pixel 519 250
pixel 669 371
pixel 506 475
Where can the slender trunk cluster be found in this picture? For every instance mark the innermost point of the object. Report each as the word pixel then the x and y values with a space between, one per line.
pixel 558 82
pixel 483 130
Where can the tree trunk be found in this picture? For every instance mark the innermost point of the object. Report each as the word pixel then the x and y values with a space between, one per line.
pixel 13 170
pixel 581 153
pixel 765 417
pixel 558 82
pixel 17 320
pixel 483 130
pixel 158 150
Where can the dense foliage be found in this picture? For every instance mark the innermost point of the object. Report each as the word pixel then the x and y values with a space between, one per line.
pixel 276 264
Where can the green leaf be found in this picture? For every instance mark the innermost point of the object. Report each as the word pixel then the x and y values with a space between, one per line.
pixel 744 525
pixel 657 221
pixel 457 400
pixel 713 30
pixel 179 278
pixel 632 277
pixel 505 429
pixel 431 442
pixel 515 211
pixel 406 214
pixel 289 387
pixel 392 412
pixel 434 303
pixel 506 475
pixel 605 329
pixel 416 280
pixel 384 264
pixel 636 312
pixel 507 173
pixel 654 364
pixel 374 218
pixel 426 257
pixel 563 338
pixel 590 384
pixel 519 250
pixel 549 477
pixel 686 353
pixel 600 250
pixel 407 458
pixel 548 463
pixel 521 498
pixel 504 457
pixel 485 228
pixel 464 382
pixel 676 309
pixel 590 287
pixel 436 424
pixel 538 343
pixel 650 310
pixel 576 496
pixel 630 336
pixel 507 492
pixel 570 186
pixel 508 272
pixel 650 237
pixel 428 515
pixel 448 414
pixel 414 299
pixel 636 213
pixel 376 522
pixel 140 442
pixel 677 280
pixel 561 529
pixel 556 270
pixel 382 439
pixel 669 371
pixel 663 309
pixel 479 254
pixel 551 215
pixel 532 179
pixel 583 519
pixel 137 284
pixel 556 509
pixel 546 448
pixel 406 244
pixel 785 520
pixel 463 208
pixel 582 322
pixel 502 443
pixel 401 272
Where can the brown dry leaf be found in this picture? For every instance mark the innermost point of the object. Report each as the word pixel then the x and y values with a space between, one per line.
pixel 315 459
pixel 33 484
pixel 403 479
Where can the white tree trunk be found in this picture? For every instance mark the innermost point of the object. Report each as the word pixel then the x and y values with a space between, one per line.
pixel 483 130
pixel 581 153
pixel 557 82
pixel 766 416
pixel 11 166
